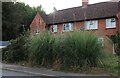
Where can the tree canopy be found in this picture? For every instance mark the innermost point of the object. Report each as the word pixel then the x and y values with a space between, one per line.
pixel 16 17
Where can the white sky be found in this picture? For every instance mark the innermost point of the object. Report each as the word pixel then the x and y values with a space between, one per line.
pixel 59 4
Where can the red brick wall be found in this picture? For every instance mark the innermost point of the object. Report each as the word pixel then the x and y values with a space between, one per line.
pixel 38 21
pixel 60 28
pixel 78 25
pixel 106 31
pixel 101 27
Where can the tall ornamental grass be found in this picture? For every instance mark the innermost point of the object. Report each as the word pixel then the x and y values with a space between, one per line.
pixel 73 50
pixel 80 49
pixel 41 50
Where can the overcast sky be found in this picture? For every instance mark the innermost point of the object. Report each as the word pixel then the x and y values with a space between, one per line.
pixel 59 4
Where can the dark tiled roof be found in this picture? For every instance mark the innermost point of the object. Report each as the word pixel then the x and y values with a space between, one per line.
pixel 93 11
pixel 44 16
pixel 119 6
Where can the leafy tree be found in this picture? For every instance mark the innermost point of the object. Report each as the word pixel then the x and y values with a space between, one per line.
pixel 39 9
pixel 9 22
pixel 16 17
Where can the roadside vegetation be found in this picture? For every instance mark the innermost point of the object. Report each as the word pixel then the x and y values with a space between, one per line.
pixel 17 51
pixel 76 52
pixel 70 51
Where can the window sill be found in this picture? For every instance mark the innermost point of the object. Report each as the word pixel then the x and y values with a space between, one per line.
pixel 90 29
pixel 110 28
pixel 67 31
pixel 53 32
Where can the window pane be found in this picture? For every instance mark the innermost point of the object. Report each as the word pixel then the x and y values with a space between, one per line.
pixel 68 27
pixel 91 25
pixel 107 23
pixel 54 28
pixel 110 23
pixel 113 23
pixel 71 26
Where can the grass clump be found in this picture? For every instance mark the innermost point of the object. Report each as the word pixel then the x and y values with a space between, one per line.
pixel 111 64
pixel 71 51
pixel 41 50
pixel 80 49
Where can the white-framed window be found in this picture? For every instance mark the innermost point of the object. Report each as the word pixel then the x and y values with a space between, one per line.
pixel 101 41
pixel 111 23
pixel 67 27
pixel 90 25
pixel 54 28
pixel 37 30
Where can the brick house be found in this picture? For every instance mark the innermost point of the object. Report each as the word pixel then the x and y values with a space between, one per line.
pixel 102 18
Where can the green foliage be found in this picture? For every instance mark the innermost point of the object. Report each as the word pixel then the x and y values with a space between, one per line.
pixel 39 9
pixel 111 64
pixel 41 51
pixel 17 51
pixel 16 18
pixel 74 50
pixel 118 43
pixel 10 21
pixel 116 39
pixel 80 49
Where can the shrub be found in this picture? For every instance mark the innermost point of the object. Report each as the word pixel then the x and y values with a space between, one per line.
pixel 17 51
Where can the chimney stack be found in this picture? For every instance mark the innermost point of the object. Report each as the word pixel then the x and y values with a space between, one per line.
pixel 84 3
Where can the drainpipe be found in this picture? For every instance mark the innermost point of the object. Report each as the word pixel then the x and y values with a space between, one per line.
pixel 114 48
pixel 74 21
pixel 84 9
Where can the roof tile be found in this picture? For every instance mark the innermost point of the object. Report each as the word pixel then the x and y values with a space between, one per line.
pixel 93 11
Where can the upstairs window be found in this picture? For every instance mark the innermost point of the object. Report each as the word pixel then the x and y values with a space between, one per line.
pixel 68 27
pixel 90 25
pixel 111 23
pixel 54 28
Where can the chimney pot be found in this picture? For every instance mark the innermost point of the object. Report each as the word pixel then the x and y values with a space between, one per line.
pixel 84 3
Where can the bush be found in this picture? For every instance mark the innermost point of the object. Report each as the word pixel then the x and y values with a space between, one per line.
pixel 74 50
pixel 17 51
